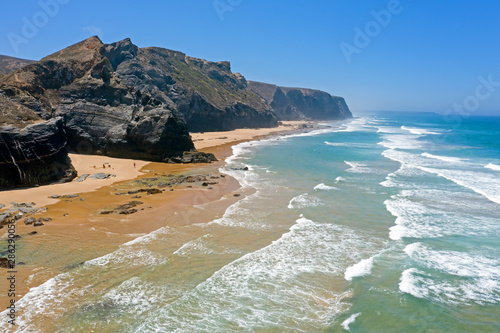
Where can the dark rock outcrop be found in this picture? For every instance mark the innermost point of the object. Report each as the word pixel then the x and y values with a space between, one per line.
pixel 301 103
pixel 34 155
pixel 124 209
pixel 193 157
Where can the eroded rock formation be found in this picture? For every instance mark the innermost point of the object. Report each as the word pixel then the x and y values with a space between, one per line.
pixel 124 101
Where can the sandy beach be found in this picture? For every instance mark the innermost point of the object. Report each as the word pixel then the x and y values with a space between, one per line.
pixel 210 139
pixel 126 169
pixel 122 169
pixel 78 231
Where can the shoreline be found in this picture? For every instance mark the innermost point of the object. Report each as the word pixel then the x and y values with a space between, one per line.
pixel 211 139
pixel 80 233
pixel 121 169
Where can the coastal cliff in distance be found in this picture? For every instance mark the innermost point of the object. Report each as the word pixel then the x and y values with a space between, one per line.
pixel 120 100
pixel 10 64
pixel 301 103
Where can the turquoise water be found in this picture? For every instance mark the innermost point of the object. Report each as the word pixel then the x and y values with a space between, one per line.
pixel 419 196
pixel 385 223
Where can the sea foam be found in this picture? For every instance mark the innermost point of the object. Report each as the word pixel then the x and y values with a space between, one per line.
pixel 324 187
pixel 470 276
pixel 349 144
pixel 418 131
pixel 454 262
pixel 356 167
pixel 270 285
pixel 304 200
pixel 339 179
pixel 398 141
pixel 362 268
pixel 492 166
pixel 349 321
pixel 455 291
pixel 442 158
pixel 414 219
pixel 482 183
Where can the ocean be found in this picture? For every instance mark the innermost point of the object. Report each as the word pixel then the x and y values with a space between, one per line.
pixel 388 222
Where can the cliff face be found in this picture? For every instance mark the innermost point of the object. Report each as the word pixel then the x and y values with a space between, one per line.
pixel 208 94
pixel 101 114
pixel 301 103
pixel 33 155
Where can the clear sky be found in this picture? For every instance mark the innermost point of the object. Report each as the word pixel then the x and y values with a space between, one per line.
pixel 419 55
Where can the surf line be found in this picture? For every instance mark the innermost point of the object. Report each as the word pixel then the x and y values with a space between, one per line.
pixel 11 273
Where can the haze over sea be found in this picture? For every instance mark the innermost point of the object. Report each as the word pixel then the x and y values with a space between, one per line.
pixel 384 223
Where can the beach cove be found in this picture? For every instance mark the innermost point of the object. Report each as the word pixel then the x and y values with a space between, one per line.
pixel 80 227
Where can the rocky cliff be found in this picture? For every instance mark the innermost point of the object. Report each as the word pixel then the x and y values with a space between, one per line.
pixel 301 103
pixel 101 114
pixel 35 154
pixel 208 94
pixel 124 101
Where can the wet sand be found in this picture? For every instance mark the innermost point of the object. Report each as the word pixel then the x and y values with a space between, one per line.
pixel 78 232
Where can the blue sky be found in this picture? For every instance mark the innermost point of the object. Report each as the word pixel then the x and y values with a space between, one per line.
pixel 426 56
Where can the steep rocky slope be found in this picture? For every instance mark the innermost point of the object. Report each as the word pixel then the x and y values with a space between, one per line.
pixel 10 64
pixel 301 103
pixel 208 94
pixel 101 114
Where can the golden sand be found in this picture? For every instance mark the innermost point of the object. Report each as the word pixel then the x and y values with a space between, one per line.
pixel 210 139
pixel 84 164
